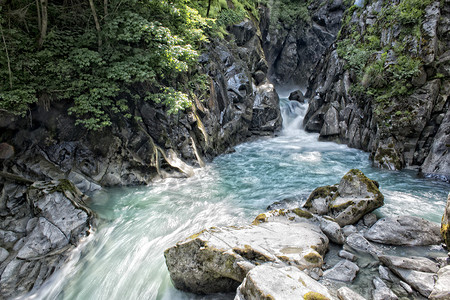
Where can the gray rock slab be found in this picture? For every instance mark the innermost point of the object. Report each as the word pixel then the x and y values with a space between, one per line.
pixel 404 230
pixel 268 282
pixel 420 281
pixel 347 255
pixel 344 270
pixel 441 289
pixel 410 263
pixel 217 259
pixel 382 291
pixel 357 242
pixel 345 293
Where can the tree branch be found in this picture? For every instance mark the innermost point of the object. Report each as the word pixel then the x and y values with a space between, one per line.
pixel 7 57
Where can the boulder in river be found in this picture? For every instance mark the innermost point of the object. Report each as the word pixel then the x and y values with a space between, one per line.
pixel 297 96
pixel 382 291
pixel 354 197
pixel 218 259
pixel 268 282
pixel 404 230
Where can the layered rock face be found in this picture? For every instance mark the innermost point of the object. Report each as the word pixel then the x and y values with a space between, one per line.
pixel 40 224
pixel 294 47
pixel 383 86
pixel 48 146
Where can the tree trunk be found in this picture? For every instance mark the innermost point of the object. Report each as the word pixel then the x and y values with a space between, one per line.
pixel 105 7
pixel 7 57
pixel 97 24
pixel 39 15
pixel 44 22
pixel 209 7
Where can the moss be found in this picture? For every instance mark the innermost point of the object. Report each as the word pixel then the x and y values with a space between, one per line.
pixel 342 206
pixel 313 258
pixel 196 235
pixel 315 296
pixel 302 213
pixel 320 192
pixel 445 234
pixel 261 218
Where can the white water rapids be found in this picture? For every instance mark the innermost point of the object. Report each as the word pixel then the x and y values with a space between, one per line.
pixel 123 258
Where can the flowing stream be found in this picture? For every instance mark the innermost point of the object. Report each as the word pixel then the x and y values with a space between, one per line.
pixel 123 258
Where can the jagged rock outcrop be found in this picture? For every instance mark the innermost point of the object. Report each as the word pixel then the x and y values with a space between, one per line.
pixel 404 230
pixel 355 196
pixel 40 225
pixel 242 102
pixel 48 146
pixel 294 44
pixel 383 87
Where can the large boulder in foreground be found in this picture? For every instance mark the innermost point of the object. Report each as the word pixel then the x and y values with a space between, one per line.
pixel 268 282
pixel 59 219
pixel 404 230
pixel 441 290
pixel 445 224
pixel 218 259
pixel 355 196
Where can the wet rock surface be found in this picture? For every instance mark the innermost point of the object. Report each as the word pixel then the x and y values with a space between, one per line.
pixel 268 259
pixel 356 118
pixel 53 220
pixel 293 49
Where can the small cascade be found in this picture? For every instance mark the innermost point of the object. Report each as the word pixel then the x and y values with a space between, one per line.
pixel 293 113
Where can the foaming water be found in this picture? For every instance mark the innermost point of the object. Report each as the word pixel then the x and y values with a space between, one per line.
pixel 124 258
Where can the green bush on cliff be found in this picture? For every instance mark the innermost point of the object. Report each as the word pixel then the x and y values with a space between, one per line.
pixel 105 56
pixel 384 71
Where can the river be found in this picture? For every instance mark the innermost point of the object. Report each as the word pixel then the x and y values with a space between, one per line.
pixel 123 258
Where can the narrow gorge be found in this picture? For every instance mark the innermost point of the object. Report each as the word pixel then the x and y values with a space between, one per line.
pixel 120 212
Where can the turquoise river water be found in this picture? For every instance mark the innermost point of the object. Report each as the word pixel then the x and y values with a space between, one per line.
pixel 123 258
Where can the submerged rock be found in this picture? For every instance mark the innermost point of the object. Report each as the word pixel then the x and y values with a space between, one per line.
pixel 404 230
pixel 218 259
pixel 268 282
pixel 354 197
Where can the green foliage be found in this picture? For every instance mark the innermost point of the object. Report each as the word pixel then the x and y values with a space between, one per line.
pixel 147 48
pixel 289 12
pixel 384 71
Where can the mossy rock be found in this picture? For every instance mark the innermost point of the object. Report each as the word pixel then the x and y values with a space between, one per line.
pixel 445 224
pixel 315 296
pixel 302 213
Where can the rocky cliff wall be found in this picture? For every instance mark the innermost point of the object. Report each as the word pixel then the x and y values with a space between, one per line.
pixel 46 146
pixel 383 86
pixel 295 42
